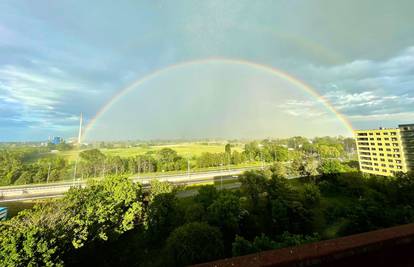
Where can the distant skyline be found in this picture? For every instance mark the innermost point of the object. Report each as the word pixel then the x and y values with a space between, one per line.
pixel 61 58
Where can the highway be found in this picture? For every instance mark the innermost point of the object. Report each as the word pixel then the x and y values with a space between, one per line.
pixel 31 192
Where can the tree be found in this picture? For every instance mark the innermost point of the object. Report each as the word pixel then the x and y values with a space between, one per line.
pixel 253 183
pixel 163 216
pixel 92 162
pixel 309 167
pixel 227 149
pixel 279 170
pixel 35 237
pixel 49 233
pixel 331 167
pixel 104 210
pixel 206 195
pixel 158 188
pixel 194 243
pixel 226 212
pixel 252 150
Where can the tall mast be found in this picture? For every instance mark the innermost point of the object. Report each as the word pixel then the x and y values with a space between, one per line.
pixel 80 129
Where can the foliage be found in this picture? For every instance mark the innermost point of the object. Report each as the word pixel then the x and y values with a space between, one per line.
pixel 206 195
pixel 127 226
pixel 158 188
pixel 163 216
pixel 47 234
pixel 262 242
pixel 311 195
pixel 194 243
pixel 225 212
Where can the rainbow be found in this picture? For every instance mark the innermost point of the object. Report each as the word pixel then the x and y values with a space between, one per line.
pixel 276 72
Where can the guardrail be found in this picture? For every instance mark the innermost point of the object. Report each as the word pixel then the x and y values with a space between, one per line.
pixel 46 191
pixel 144 176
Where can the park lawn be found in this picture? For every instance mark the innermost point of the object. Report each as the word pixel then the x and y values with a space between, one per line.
pixel 183 149
pixel 186 150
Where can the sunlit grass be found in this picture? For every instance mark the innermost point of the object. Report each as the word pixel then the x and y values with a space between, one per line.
pixel 187 150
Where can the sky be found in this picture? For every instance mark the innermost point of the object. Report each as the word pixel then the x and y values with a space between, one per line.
pixel 61 58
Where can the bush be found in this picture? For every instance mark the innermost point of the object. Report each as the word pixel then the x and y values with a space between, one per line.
pixel 241 246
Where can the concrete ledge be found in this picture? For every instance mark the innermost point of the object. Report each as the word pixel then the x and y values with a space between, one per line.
pixel 366 247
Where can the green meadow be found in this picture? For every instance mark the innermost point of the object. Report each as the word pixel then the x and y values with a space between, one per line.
pixel 187 150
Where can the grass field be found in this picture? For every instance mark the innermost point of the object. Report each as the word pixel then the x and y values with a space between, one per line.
pixel 184 149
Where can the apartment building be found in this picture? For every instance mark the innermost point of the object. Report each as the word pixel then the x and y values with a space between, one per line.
pixel 386 151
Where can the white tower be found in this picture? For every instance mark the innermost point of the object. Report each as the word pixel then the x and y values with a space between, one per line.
pixel 80 129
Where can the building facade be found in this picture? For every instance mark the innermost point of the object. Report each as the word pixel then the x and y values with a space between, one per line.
pixel 407 136
pixel 386 151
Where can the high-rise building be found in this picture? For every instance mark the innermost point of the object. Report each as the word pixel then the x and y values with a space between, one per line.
pixel 407 136
pixel 386 151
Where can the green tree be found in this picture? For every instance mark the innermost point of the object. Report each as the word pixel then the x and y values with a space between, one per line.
pixel 194 243
pixel 331 167
pixel 158 188
pixel 226 213
pixel 279 170
pixel 104 210
pixel 253 184
pixel 49 233
pixel 227 149
pixel 163 216
pixel 206 195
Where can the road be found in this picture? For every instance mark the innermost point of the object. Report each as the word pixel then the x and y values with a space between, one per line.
pixel 30 192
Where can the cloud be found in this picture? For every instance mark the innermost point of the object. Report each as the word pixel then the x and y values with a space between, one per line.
pixel 302 108
pixel 34 98
pixel 366 88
